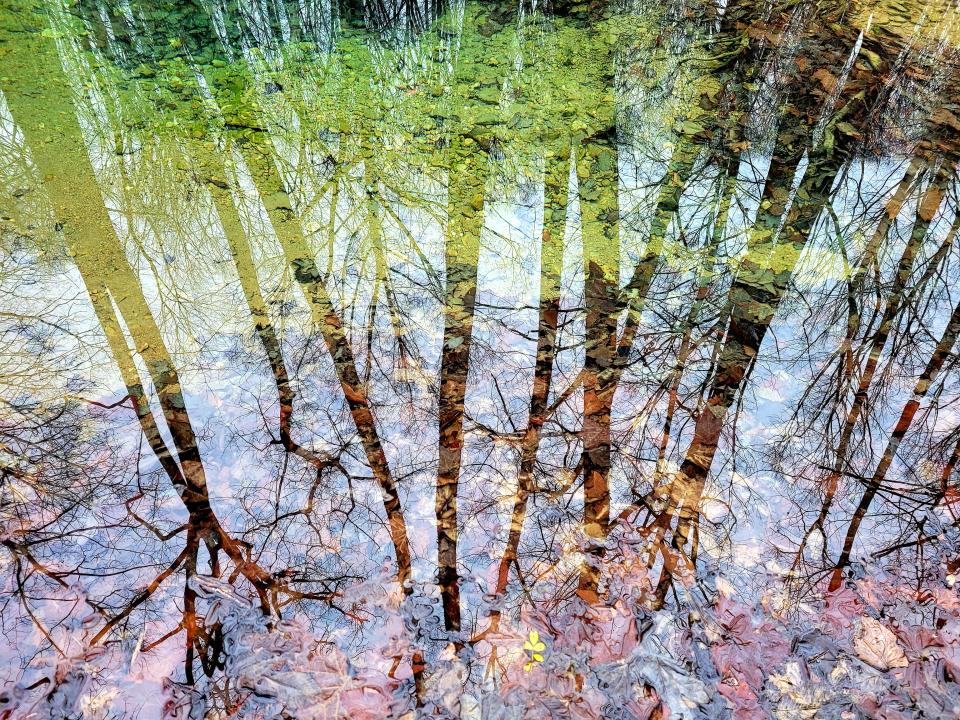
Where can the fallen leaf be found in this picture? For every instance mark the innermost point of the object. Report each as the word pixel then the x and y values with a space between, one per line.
pixel 876 645
pixel 826 79
pixel 930 203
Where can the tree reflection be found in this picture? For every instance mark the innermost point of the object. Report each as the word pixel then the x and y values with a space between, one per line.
pixel 514 317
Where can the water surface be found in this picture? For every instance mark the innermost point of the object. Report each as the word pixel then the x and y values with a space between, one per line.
pixel 456 359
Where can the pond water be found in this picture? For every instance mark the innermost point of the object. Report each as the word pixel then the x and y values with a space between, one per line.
pixel 431 358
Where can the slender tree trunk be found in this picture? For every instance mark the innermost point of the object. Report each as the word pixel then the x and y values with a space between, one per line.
pixel 71 184
pixel 600 224
pixel 263 326
pixel 556 180
pixel 934 365
pixel 705 275
pixel 70 181
pixel 753 301
pixel 892 309
pixel 465 200
pixel 325 318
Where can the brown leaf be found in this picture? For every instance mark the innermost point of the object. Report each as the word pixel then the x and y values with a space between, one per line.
pixel 827 79
pixel 876 645
pixel 590 597
pixel 930 203
pixel 593 530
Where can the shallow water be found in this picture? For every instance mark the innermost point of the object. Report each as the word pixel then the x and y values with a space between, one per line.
pixel 479 359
